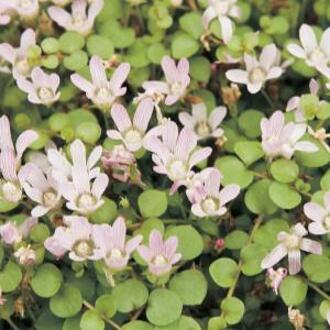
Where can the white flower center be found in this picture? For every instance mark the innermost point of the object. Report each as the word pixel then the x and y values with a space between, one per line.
pixel 159 260
pixel 11 191
pixel 202 129
pixel 45 94
pixel 177 170
pixel 317 56
pixel 177 88
pixel 49 198
pixel 292 241
pixel 83 249
pixel 222 8
pixel 133 136
pixel 257 75
pixel 103 94
pixel 86 201
pixel 116 254
pixel 327 222
pixel 26 3
pixel 78 20
pixel 209 205
pixel 23 67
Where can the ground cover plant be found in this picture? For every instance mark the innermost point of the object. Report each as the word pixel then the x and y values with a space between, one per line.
pixel 164 164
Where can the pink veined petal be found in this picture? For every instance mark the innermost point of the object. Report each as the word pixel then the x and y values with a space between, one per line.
pixel 39 78
pixel 143 114
pixel 325 41
pixel 33 193
pixel 217 116
pixel 208 16
pixel 199 112
pixel 113 134
pixel 133 243
pixel 153 144
pixel 26 227
pixel 119 233
pixel 296 51
pixel 274 72
pixel 170 70
pixel 218 132
pixel 101 235
pixel 25 85
pixel 94 157
pixel 299 229
pixel 7 52
pixel 39 211
pixel 198 211
pixel 307 38
pixel 156 86
pixel 212 182
pixel 54 247
pixel 159 270
pixel 100 185
pixel 68 191
pixel 226 28
pixel 199 156
pixel 24 141
pixel 95 8
pixel 97 70
pixel 176 257
pixel 82 83
pixel 183 69
pixel 170 246
pixel 293 103
pixel 186 120
pixel 317 228
pixel 170 134
pixel 35 177
pixel 186 142
pixel 8 165
pixel 250 62
pixel 268 56
pixel 276 122
pixel 121 118
pixel 228 193
pixel 6 141
pixel 119 76
pixel 311 246
pixel 171 99
pixel 237 75
pixel 326 199
pixel 294 257
pixel 60 16
pixel 54 81
pixel 314 86
pixel 145 252
pixel 265 125
pixel 254 88
pixel 306 146
pixel 28 39
pixel 315 211
pixel 78 8
pixel 276 255
pixel 156 242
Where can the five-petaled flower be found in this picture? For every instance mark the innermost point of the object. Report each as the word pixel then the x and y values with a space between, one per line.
pixel 290 244
pixel 27 10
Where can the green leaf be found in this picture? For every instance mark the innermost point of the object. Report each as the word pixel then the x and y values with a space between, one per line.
pixel 251 256
pixel 200 68
pixel 183 323
pixel 323 112
pixel 325 181
pixel 130 295
pixel 257 198
pixel 10 277
pixel 249 151
pixel 72 323
pixel 106 305
pixel 91 320
pixel 100 46
pixel 107 213
pixel 67 302
pixel 50 274
pixel 39 232
pixel 137 325
pixel 7 206
pixel 293 290
pixel 164 307
pixel 236 239
pixel 137 54
pixel 223 272
pixel 48 321
pixel 191 244
pixel 156 52
pixel 76 61
pixel 233 310
pixel 192 24
pixel 217 323
pixel 50 45
pixel 284 196
pixel 249 123
pixel 317 268
pixel 183 45
pixel 325 308
pixel 233 171
pixel 152 203
pixel 70 42
pixel 190 286
pixel 284 170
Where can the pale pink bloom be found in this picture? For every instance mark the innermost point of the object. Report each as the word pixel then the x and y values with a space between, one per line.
pixel 10 160
pixel 316 54
pixel 5 13
pixel 201 123
pixel 42 88
pixel 39 158
pixel 83 194
pixel 112 242
pixel 290 244
pixel 223 10
pixel 26 256
pixel 177 80
pixel 76 238
pixel 42 189
pixel 18 57
pixel 294 102
pixel 11 233
pixel 100 90
pixel 213 202
pixel 257 72
pixel 26 9
pixel 131 132
pixel 275 277
pixel 160 255
pixel 320 216
pixel 280 139
pixel 121 163
pixel 80 19
pixel 195 187
pixel 174 154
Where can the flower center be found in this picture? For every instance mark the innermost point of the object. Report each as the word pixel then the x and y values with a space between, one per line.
pixel 222 8
pixel 78 20
pixel 317 55
pixel 292 242
pixel 26 3
pixel 49 198
pixel 23 67
pixel 327 222
pixel 257 75
pixel 86 201
pixel 177 170
pixel 176 88
pixel 45 94
pixel 103 94
pixel 133 136
pixel 115 254
pixel 202 128
pixel 209 205
pixel 159 260
pixel 11 191
pixel 83 249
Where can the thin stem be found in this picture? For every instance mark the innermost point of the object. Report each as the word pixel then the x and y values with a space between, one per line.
pixel 319 291
pixel 268 99
pixel 112 323
pixel 12 324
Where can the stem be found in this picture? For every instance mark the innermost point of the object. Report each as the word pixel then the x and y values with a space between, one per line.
pixel 268 99
pixel 12 324
pixel 319 291
pixel 112 323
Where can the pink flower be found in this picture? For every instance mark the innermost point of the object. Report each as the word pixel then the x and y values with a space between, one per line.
pixel 290 244
pixel 5 13
pixel 320 216
pixel 42 189
pixel 26 9
pixel 101 91
pixel 294 102
pixel 80 20
pixel 275 277
pixel 26 256
pixel 43 87
pixel 177 80
pixel 131 133
pixel 174 154
pixel 280 139
pixel 223 10
pixel 112 241
pixel 10 160
pixel 160 255
pixel 316 54
pixel 18 57
pixel 212 200
pixel 11 233
pixel 203 125
pixel 77 239
pixel 258 71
